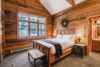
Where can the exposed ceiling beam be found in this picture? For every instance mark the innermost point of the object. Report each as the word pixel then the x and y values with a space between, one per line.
pixel 71 2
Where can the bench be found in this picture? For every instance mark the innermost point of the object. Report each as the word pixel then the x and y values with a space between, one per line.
pixel 35 54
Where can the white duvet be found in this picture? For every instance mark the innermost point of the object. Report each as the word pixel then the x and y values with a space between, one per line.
pixel 65 44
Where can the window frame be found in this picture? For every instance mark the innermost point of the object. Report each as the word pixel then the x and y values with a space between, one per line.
pixel 29 27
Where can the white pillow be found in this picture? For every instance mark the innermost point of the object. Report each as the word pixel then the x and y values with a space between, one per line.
pixel 59 36
pixel 66 37
pixel 69 37
pixel 72 37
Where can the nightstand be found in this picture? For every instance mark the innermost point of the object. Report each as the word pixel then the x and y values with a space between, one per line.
pixel 79 50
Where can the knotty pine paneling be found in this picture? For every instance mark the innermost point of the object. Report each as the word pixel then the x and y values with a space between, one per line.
pixel 1 40
pixel 12 7
pixel 77 17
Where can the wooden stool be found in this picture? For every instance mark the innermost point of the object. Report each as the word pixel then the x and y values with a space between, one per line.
pixel 35 54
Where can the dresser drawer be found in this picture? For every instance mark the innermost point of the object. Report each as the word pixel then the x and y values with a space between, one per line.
pixel 96 45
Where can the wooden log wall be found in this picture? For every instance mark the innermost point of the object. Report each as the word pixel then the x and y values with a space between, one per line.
pixel 77 17
pixel 12 7
pixel 0 33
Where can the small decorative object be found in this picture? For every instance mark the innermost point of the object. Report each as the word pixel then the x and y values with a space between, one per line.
pixel 64 23
pixel 79 39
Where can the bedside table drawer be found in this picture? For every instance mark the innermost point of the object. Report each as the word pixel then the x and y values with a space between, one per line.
pixel 79 50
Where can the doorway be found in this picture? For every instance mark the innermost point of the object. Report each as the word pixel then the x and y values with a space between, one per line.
pixel 95 33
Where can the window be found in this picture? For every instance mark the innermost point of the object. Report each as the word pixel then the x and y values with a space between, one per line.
pixel 41 26
pixel 30 25
pixel 33 31
pixel 34 18
pixel 41 29
pixel 41 20
pixel 23 17
pixel 23 29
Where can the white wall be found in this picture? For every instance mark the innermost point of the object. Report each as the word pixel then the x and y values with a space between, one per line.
pixel 55 6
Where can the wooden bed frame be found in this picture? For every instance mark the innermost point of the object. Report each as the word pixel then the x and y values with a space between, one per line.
pixel 47 51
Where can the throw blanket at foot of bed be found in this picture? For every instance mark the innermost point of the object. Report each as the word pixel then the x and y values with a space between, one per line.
pixel 57 47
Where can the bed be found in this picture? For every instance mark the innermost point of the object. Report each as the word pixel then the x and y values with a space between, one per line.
pixel 66 42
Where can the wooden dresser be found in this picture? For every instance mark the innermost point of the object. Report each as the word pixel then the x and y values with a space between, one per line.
pixel 96 45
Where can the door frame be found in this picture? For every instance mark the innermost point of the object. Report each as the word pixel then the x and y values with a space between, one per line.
pixel 3 29
pixel 90 32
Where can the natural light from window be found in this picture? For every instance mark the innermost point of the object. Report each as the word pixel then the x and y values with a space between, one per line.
pixel 30 25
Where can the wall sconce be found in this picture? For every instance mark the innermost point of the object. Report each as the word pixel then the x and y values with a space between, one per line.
pixel 79 37
pixel 79 34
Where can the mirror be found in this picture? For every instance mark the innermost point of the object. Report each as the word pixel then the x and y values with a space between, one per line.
pixel 98 27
